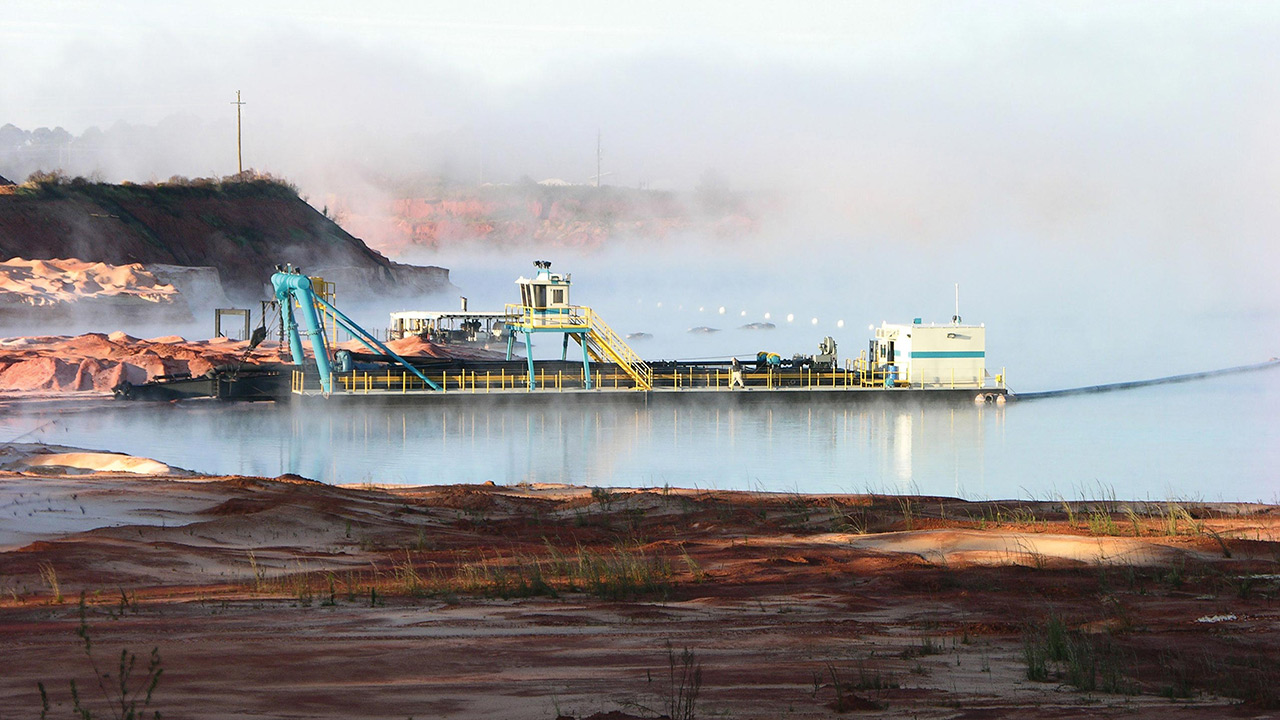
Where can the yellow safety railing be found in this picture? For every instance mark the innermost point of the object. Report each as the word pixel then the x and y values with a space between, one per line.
pixel 602 343
pixel 472 381
pixel 874 376
pixel 617 349
pixel 328 291
pixel 869 376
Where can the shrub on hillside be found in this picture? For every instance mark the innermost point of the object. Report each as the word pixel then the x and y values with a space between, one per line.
pixel 250 183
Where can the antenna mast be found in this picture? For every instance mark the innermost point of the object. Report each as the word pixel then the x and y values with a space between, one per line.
pixel 956 318
pixel 599 156
pixel 239 152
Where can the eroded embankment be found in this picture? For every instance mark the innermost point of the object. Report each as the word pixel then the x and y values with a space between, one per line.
pixel 242 226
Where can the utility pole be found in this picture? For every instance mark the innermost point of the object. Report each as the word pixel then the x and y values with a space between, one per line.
pixel 239 152
pixel 599 161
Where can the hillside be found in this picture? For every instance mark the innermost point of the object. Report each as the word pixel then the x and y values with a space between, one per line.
pixel 242 227
pixel 548 215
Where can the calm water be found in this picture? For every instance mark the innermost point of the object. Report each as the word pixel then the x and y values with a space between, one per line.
pixel 1212 439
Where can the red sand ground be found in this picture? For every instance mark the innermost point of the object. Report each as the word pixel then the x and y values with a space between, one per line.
pixel 287 598
pixel 94 362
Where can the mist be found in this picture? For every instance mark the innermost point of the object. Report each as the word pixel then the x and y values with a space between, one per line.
pixel 1098 179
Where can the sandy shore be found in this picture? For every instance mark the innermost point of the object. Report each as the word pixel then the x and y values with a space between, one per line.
pixel 288 598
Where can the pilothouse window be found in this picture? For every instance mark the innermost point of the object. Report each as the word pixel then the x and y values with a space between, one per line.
pixel 557 296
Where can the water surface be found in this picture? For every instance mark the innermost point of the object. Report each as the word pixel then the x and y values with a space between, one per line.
pixel 1213 439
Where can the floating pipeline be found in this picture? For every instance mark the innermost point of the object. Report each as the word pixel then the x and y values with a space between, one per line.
pixel 1172 379
pixel 471 382
pixel 917 361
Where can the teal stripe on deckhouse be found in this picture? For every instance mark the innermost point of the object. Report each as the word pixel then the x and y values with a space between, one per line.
pixel 950 354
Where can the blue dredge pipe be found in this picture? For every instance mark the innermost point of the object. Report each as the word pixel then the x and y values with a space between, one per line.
pixel 292 283
pixel 361 334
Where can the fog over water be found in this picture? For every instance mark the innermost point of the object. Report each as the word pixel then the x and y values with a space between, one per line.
pixel 1099 178
pixel 1059 322
pixel 1216 439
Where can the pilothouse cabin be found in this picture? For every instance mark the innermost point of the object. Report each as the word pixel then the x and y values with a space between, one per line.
pixel 546 294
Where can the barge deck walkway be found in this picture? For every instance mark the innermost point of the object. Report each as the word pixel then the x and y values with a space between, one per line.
pixel 609 387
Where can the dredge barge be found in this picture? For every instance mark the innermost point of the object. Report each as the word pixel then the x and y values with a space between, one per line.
pixel 922 361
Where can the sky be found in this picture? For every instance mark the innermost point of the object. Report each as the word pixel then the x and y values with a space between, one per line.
pixel 767 92
pixel 1115 158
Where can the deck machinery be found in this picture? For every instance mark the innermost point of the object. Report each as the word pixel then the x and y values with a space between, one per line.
pixel 482 329
pixel 930 357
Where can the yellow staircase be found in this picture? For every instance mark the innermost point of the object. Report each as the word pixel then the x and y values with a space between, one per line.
pixel 603 344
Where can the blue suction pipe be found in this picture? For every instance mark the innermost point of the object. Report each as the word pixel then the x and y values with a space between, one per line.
pixel 299 286
pixel 365 338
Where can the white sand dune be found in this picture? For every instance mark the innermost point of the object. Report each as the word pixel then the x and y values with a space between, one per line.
pixel 35 507
pixel 973 547
pixel 52 282
pixel 98 462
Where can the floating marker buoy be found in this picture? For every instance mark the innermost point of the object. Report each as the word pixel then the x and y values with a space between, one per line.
pixel 721 309
pixel 839 323
pixel 791 316
pixel 767 316
pixel 814 321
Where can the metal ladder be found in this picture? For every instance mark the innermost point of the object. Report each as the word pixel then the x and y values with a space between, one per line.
pixel 605 345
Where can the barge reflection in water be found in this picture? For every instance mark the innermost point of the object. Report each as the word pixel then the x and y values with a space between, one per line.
pixel 1216 439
